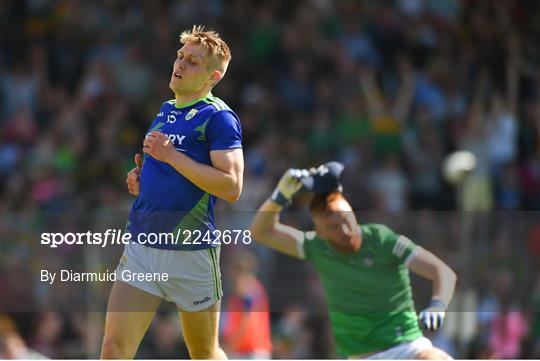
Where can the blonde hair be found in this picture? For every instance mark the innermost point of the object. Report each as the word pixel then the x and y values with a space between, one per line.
pixel 217 49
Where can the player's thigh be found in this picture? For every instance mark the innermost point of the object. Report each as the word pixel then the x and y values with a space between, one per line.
pixel 433 353
pixel 129 313
pixel 200 328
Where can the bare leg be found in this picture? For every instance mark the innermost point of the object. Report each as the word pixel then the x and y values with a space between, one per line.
pixel 201 333
pixel 129 313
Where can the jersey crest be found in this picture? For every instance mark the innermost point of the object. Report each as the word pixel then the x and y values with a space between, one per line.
pixel 191 114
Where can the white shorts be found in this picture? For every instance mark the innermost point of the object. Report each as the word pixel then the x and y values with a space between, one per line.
pixel 193 277
pixel 407 350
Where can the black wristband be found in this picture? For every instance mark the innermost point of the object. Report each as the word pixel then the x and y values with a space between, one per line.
pixel 278 198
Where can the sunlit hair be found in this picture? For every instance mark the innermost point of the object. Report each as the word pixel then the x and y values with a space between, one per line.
pixel 325 202
pixel 210 40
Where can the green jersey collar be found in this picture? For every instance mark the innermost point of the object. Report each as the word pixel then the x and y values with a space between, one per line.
pixel 188 104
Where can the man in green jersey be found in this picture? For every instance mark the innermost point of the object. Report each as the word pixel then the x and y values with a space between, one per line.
pixel 364 270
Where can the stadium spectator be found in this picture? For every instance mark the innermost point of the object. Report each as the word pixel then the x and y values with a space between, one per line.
pixel 246 328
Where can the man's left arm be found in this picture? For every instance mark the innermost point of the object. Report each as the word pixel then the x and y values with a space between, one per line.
pixel 427 265
pixel 224 178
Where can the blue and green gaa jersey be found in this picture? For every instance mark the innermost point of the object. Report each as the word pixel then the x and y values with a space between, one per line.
pixel 168 202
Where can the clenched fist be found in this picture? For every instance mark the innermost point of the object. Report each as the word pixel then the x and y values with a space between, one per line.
pixel 132 179
pixel 289 185
pixel 159 146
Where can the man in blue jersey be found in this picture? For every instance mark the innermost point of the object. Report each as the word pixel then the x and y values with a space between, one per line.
pixel 192 155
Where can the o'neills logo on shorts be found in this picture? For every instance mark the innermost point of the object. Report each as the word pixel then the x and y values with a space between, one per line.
pixel 206 299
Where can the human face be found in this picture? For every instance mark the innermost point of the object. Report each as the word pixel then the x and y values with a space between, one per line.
pixel 191 73
pixel 340 229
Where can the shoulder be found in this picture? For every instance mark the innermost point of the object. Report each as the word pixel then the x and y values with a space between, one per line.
pixel 313 242
pixel 377 230
pixel 216 103
pixel 222 126
pixel 168 104
pixel 379 236
pixel 219 109
pixel 389 242
pixel 222 120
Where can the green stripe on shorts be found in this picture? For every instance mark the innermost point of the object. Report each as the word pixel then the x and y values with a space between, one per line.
pixel 218 278
pixel 213 257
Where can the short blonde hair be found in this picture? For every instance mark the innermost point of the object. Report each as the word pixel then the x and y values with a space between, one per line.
pixel 217 49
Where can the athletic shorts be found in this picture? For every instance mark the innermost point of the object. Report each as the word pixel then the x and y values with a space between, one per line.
pixel 193 277
pixel 407 350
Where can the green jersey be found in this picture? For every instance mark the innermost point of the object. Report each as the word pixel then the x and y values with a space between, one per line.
pixel 368 293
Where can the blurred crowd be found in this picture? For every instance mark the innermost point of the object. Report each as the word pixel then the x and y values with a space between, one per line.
pixel 387 87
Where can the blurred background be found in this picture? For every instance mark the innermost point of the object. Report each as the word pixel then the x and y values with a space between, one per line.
pixel 387 87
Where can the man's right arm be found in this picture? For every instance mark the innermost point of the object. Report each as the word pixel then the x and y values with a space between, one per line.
pixel 267 230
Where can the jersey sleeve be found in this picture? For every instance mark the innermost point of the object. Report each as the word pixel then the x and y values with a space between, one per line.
pixel 398 247
pixel 305 250
pixel 224 131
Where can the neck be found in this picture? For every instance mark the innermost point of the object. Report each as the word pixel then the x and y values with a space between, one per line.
pixel 183 99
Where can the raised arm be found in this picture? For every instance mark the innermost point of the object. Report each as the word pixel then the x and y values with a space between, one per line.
pixel 406 92
pixel 474 124
pixel 267 230
pixel 371 91
pixel 265 226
